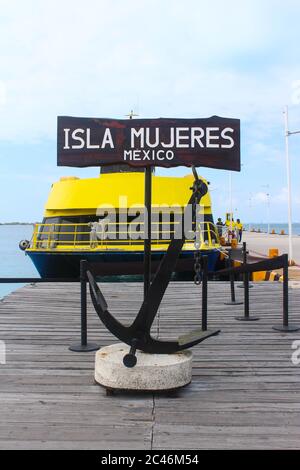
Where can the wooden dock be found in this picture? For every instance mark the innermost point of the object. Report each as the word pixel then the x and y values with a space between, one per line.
pixel 245 391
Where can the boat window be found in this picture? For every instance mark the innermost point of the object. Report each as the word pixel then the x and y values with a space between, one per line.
pixel 47 227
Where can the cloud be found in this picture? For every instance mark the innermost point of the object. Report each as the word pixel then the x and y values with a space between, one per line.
pixel 296 92
pixel 28 177
pixel 3 94
pixel 101 58
pixel 282 196
pixel 270 153
pixel 278 197
pixel 259 197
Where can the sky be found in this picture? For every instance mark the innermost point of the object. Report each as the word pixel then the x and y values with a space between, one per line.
pixel 162 58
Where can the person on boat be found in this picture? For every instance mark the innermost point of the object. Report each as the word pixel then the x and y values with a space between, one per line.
pixel 230 226
pixel 93 235
pixel 220 225
pixel 98 231
pixel 239 229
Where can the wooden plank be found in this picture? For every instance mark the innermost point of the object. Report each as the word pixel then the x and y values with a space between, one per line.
pixel 245 390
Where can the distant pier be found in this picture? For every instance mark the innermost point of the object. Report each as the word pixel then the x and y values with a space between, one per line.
pixel 260 243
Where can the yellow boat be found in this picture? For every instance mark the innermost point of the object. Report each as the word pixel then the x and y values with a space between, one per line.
pixel 68 234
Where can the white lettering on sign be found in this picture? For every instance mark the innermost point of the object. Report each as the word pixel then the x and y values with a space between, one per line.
pixel 172 139
pixel 225 137
pixel 148 138
pixel 180 136
pixel 154 143
pixel 197 133
pixel 137 133
pixel 210 137
pixel 88 141
pixel 77 137
pixel 66 132
pixel 150 155
pixel 84 137
pixel 107 139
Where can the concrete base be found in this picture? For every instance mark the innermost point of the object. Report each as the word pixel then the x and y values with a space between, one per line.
pixel 152 371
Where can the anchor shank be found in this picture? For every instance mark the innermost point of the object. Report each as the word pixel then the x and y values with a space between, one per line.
pixel 149 308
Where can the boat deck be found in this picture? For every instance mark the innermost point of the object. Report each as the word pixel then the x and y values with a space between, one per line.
pixel 245 391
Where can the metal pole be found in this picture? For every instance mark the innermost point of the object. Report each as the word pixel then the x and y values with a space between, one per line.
pixel 204 292
pixel 245 252
pixel 83 303
pixel 286 327
pixel 288 172
pixel 232 283
pixel 233 301
pixel 84 346
pixel 230 200
pixel 147 229
pixel 286 292
pixel 246 316
pixel 246 284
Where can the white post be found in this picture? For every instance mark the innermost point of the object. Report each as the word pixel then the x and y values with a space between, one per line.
pixel 268 209
pixel 250 209
pixel 288 171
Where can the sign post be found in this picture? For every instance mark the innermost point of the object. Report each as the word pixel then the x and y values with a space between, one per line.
pixel 147 229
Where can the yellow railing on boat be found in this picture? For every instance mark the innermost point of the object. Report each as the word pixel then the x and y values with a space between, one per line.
pixel 68 236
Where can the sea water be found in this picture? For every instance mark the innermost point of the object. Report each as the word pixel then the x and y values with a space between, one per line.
pixel 273 226
pixel 13 261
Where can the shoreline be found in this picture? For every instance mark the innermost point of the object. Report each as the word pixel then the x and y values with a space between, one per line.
pixel 16 223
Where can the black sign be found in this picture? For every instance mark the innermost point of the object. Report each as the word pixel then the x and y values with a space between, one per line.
pixel 213 142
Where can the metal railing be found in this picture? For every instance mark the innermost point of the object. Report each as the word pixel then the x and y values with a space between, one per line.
pixel 96 235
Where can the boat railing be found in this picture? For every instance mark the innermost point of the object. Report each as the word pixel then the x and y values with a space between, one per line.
pixel 96 235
